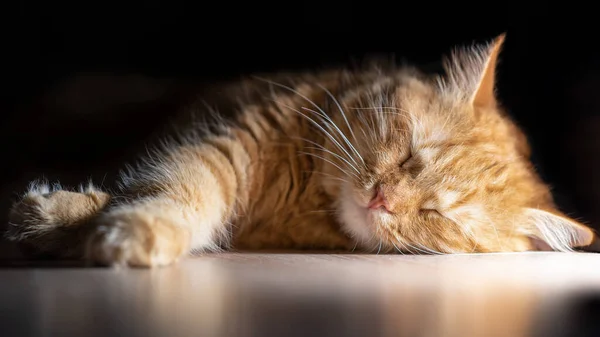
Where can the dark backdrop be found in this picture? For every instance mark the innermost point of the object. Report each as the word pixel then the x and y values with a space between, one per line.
pixel 83 84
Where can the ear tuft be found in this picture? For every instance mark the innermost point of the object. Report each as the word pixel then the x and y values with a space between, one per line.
pixel 471 72
pixel 557 232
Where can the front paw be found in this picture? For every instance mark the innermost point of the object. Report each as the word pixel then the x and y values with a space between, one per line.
pixel 46 221
pixel 42 210
pixel 137 239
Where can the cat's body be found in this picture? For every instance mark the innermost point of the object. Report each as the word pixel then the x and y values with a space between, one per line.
pixel 382 160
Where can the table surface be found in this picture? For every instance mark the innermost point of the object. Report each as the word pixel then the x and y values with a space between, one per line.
pixel 299 294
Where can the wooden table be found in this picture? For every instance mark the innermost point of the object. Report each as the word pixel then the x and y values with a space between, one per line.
pixel 294 294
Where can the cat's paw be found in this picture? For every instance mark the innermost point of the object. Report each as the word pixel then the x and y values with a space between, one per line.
pixel 137 239
pixel 42 210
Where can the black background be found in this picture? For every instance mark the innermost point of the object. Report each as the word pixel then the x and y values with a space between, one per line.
pixel 54 126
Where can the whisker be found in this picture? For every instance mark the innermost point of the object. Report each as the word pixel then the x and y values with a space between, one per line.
pixel 345 119
pixel 328 124
pixel 336 178
pixel 313 104
pixel 372 132
pixel 405 247
pixel 418 249
pixel 355 245
pixel 329 176
pixel 430 250
pixel 378 107
pixel 322 129
pixel 337 156
pixel 322 148
pixel 398 249
pixel 330 162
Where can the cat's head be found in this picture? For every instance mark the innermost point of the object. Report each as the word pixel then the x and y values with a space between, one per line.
pixel 438 167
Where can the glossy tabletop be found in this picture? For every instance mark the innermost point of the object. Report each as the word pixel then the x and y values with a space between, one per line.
pixel 302 294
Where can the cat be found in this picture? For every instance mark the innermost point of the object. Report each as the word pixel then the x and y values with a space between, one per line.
pixel 382 159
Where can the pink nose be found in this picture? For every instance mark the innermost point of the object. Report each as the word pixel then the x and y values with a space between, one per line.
pixel 379 201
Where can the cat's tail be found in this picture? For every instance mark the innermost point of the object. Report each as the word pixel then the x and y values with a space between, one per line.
pixel 51 220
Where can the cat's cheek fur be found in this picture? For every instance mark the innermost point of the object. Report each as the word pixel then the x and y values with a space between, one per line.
pixel 354 220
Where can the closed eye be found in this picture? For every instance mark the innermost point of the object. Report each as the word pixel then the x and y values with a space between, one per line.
pixel 430 211
pixel 405 161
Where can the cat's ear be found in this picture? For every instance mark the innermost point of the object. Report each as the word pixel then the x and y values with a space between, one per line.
pixel 472 71
pixel 550 231
pixel 485 92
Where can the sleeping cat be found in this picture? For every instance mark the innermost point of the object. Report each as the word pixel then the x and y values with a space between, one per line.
pixel 380 160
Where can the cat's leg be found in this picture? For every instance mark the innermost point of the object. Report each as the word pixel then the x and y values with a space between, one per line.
pixel 180 200
pixel 48 219
pixel 175 202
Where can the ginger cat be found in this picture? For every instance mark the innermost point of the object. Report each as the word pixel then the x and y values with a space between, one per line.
pixel 380 160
